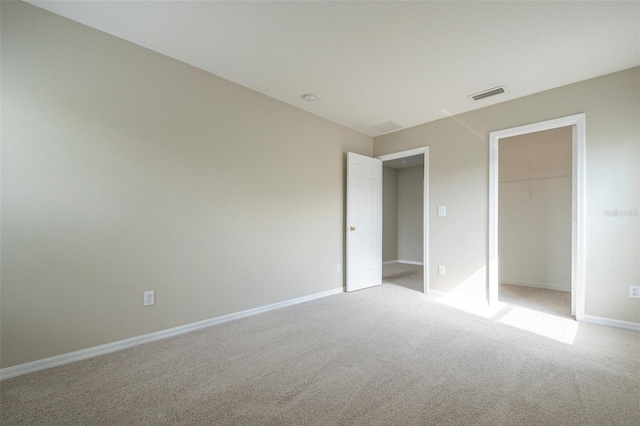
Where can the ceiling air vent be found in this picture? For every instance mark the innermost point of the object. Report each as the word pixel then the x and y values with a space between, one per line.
pixel 486 93
pixel 386 127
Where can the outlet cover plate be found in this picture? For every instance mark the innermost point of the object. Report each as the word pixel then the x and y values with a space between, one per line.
pixel 149 298
pixel 634 291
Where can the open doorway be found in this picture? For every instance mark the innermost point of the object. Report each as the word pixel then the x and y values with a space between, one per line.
pixel 405 219
pixel 534 225
pixel 576 124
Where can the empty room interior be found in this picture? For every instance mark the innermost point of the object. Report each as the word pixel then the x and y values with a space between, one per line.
pixel 327 213
pixel 402 221
pixel 535 220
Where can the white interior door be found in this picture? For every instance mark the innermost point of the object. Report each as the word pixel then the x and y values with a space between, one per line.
pixel 364 222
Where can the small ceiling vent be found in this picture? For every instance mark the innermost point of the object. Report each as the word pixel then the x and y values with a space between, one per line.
pixel 487 93
pixel 386 127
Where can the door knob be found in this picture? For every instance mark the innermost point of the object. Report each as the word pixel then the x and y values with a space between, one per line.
pixel 351 228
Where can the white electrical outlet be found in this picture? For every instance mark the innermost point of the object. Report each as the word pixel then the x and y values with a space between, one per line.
pixel 441 270
pixel 634 291
pixel 149 298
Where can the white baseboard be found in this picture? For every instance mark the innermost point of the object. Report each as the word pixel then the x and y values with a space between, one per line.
pixel 30 367
pixel 407 262
pixel 411 262
pixel 635 326
pixel 536 285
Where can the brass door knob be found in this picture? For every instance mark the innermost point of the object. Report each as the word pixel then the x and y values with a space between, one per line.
pixel 351 228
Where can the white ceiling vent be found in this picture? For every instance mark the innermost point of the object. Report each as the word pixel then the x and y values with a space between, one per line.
pixel 386 127
pixel 487 93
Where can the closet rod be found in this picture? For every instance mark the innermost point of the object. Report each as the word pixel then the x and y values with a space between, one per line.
pixel 538 178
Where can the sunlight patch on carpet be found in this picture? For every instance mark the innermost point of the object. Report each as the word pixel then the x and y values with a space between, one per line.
pixel 557 328
pixel 561 329
pixel 473 306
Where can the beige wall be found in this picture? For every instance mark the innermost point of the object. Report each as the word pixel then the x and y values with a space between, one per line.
pixel 389 214
pixel 459 167
pixel 410 217
pixel 534 227
pixel 536 155
pixel 124 171
pixel 534 233
pixel 402 214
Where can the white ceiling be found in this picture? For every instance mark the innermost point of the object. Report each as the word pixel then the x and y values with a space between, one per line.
pixel 373 62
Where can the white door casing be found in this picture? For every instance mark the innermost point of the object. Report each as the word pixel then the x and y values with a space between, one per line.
pixel 574 216
pixel 364 222
pixel 578 205
pixel 425 197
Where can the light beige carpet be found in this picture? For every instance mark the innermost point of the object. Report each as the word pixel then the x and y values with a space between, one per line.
pixel 405 275
pixel 381 356
pixel 549 301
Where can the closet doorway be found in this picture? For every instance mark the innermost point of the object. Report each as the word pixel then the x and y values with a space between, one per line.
pixel 534 221
pixel 518 188
pixel 405 219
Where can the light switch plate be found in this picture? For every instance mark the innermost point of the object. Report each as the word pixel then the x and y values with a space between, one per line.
pixel 442 210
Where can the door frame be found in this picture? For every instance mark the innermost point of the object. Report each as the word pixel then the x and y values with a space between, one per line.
pixel 425 204
pixel 578 124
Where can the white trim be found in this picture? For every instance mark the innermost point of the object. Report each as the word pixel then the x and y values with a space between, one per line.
pixel 55 361
pixel 425 199
pixel 536 285
pixel 411 262
pixel 403 154
pixel 578 197
pixel 635 326
pixel 389 262
pixel 438 293
pixel 425 222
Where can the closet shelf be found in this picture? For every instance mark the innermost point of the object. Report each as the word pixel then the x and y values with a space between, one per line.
pixel 537 178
